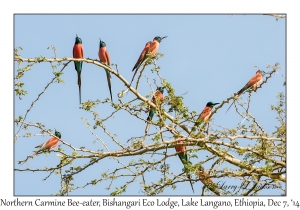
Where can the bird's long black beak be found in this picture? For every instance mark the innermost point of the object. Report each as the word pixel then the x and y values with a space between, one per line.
pixel 216 103
pixel 164 37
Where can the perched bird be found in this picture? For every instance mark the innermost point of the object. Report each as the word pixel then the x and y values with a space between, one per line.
pixel 182 154
pixel 208 182
pixel 205 114
pixel 142 55
pixel 155 44
pixel 51 143
pixel 158 97
pixel 140 60
pixel 252 84
pixel 150 47
pixel 104 58
pixel 78 53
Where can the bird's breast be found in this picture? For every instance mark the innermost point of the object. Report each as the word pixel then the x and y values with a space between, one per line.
pixel 154 47
pixel 77 52
pixel 102 54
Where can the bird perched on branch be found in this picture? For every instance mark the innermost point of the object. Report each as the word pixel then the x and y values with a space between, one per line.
pixel 208 182
pixel 205 114
pixel 105 58
pixel 50 144
pixel 150 47
pixel 157 99
pixel 141 59
pixel 253 83
pixel 78 53
pixel 182 154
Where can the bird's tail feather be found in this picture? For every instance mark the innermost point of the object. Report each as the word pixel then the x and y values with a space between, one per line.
pixel 238 94
pixel 79 85
pixel 137 68
pixel 241 91
pixel 109 84
pixel 149 118
pixel 189 176
pixel 229 107
pixel 245 88
pixel 133 76
pixel 147 128
pixel 184 162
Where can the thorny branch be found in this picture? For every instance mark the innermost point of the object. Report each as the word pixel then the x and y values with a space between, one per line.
pixel 219 143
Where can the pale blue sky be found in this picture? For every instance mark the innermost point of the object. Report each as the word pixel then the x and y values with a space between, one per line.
pixel 208 56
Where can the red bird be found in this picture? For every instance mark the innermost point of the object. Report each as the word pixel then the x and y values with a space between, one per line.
pixel 51 143
pixel 155 44
pixel 140 60
pixel 105 58
pixel 78 53
pixel 253 83
pixel 158 97
pixel 182 154
pixel 150 47
pixel 208 181
pixel 142 56
pixel 205 114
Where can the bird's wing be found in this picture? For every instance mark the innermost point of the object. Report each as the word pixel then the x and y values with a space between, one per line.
pixel 107 57
pixel 54 143
pixel 153 47
pixel 99 54
pixel 49 144
pixel 204 113
pixel 82 52
pixel 40 145
pixel 74 51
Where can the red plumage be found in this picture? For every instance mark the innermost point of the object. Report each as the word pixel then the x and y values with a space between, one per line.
pixel 142 55
pixel 78 51
pixel 50 144
pixel 181 150
pixel 253 83
pixel 104 55
pixel 208 181
pixel 205 114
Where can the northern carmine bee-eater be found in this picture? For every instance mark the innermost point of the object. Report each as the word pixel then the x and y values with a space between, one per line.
pixel 208 182
pixel 253 83
pixel 157 99
pixel 105 58
pixel 142 55
pixel 78 53
pixel 140 60
pixel 182 154
pixel 51 143
pixel 155 44
pixel 150 47
pixel 205 114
